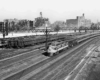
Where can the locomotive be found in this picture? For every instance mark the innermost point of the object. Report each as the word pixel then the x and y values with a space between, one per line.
pixel 55 47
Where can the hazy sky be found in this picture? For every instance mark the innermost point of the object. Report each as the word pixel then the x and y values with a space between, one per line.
pixel 52 9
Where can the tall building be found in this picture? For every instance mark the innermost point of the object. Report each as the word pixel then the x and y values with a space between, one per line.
pixel 78 22
pixel 72 23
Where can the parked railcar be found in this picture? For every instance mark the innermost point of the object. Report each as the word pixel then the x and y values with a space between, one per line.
pixel 20 42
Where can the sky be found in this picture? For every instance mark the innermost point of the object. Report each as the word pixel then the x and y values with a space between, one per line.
pixel 55 10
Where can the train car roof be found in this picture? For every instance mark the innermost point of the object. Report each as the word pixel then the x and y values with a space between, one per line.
pixel 56 42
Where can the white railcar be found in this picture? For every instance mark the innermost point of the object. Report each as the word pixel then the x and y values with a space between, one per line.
pixel 55 47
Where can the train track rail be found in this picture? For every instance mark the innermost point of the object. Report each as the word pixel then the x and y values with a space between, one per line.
pixel 65 64
pixel 23 53
pixel 42 65
pixel 7 53
pixel 10 57
pixel 17 58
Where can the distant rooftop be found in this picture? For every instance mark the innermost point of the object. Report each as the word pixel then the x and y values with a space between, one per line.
pixel 72 21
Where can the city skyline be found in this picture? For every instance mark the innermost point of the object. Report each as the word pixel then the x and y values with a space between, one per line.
pixel 55 10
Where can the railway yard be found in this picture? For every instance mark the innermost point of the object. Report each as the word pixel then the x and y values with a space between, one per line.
pixel 30 63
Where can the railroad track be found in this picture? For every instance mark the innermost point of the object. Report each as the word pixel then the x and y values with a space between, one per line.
pixel 65 65
pixel 43 65
pixel 7 55
pixel 7 62
pixel 23 53
pixel 13 52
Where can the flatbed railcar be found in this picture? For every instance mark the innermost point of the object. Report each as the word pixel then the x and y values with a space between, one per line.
pixel 20 42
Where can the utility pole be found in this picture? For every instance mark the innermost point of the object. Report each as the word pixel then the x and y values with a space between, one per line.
pixel 2 25
pixel 3 30
pixel 46 34
pixel 41 14
pixel 46 37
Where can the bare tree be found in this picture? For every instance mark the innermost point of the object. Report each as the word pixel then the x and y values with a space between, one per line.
pixel 57 28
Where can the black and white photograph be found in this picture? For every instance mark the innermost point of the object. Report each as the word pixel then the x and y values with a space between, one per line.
pixel 49 39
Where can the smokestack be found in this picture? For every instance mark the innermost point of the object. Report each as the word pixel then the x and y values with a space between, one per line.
pixel 77 17
pixel 83 14
pixel 41 14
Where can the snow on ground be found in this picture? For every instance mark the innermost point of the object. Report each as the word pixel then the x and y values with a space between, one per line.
pixel 34 33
